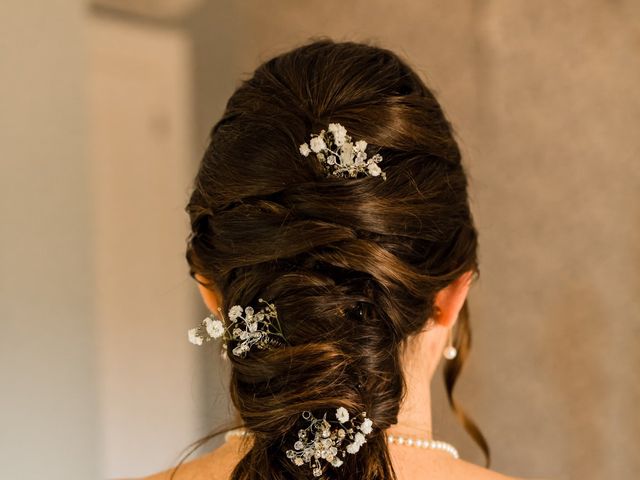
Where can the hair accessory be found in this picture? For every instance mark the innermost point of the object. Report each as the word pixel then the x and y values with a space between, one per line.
pixel 210 325
pixel 341 157
pixel 260 329
pixel 322 439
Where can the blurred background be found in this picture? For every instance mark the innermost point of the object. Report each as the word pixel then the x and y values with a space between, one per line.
pixel 105 109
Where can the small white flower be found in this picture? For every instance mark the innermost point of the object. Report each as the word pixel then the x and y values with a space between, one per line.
pixel 359 438
pixel 248 311
pixel 361 145
pixel 235 312
pixel 339 133
pixel 374 169
pixel 365 427
pixel 194 337
pixel 353 448
pixel 304 149
pixel 336 462
pixel 317 144
pixel 215 328
pixel 331 160
pixel 342 414
pixel 298 461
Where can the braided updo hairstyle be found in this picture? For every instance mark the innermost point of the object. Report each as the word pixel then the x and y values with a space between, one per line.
pixel 353 264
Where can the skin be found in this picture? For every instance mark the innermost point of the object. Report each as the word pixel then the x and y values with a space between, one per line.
pixel 421 359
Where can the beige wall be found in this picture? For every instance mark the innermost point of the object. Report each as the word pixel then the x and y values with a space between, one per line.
pixel 542 95
pixel 140 104
pixel 48 399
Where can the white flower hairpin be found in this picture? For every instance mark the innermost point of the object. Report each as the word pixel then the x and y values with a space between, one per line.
pixel 322 439
pixel 249 328
pixel 342 158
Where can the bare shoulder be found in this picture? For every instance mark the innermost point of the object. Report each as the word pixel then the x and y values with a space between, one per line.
pixel 475 472
pixel 215 465
pixel 411 464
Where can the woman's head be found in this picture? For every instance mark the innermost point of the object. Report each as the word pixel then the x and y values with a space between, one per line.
pixel 354 265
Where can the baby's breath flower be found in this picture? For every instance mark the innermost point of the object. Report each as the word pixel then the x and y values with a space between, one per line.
pixel 359 438
pixel 353 448
pixel 317 144
pixel 215 328
pixel 339 133
pixel 365 427
pixel 342 414
pixel 361 145
pixel 194 337
pixel 304 149
pixel 374 169
pixel 235 312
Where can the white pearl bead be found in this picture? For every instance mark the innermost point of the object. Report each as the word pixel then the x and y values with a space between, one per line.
pixel 424 443
pixel 450 353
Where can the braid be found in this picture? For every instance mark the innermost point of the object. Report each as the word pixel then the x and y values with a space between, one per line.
pixel 353 264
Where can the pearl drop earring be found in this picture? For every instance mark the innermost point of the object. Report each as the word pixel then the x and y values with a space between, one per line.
pixel 450 351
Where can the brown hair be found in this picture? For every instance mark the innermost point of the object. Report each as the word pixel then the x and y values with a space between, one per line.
pixel 353 264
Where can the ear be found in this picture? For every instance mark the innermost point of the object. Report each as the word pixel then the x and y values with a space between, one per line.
pixel 210 297
pixel 450 299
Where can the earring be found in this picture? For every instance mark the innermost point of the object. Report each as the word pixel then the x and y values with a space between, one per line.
pixel 450 351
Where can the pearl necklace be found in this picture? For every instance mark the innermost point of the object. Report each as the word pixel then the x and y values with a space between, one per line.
pixel 423 443
pixel 397 439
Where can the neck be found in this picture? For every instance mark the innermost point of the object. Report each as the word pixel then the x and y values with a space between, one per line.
pixel 414 417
